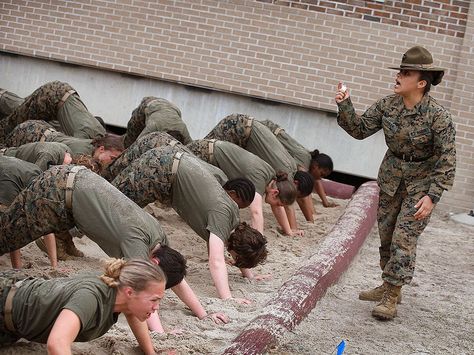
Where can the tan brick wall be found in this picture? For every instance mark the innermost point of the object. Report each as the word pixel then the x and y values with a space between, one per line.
pixel 287 51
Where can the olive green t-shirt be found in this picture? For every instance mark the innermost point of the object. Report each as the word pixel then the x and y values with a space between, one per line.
pixel 8 102
pixel 236 162
pixel 201 201
pixel 37 303
pixel 296 150
pixel 263 143
pixel 43 154
pixel 163 116
pixel 113 221
pixel 15 175
pixel 77 145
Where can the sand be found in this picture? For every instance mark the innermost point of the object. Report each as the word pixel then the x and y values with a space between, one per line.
pixel 435 317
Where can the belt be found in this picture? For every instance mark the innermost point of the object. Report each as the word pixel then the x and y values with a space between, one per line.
pixel 278 130
pixel 174 168
pixel 2 151
pixel 64 98
pixel 70 184
pixel 248 126
pixel 409 158
pixel 173 143
pixel 2 91
pixel 211 150
pixel 46 134
pixel 8 310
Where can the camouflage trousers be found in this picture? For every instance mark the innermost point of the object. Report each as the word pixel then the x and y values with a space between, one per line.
pixel 150 177
pixel 232 129
pixel 8 102
pixel 140 146
pixel 27 132
pixel 55 101
pixel 399 232
pixel 136 124
pixel 200 148
pixel 7 280
pixel 38 210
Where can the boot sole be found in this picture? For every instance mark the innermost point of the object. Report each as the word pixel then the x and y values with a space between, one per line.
pixel 383 316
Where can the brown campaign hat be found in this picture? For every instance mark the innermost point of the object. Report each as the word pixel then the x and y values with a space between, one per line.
pixel 419 58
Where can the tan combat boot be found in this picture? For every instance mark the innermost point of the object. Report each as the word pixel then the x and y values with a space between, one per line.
pixel 60 248
pixel 69 246
pixel 387 308
pixel 376 294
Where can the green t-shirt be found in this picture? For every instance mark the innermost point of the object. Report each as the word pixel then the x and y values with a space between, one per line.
pixel 236 162
pixel 113 221
pixel 201 201
pixel 8 102
pixel 163 116
pixel 265 145
pixel 77 145
pixel 296 150
pixel 37 303
pixel 43 154
pixel 15 175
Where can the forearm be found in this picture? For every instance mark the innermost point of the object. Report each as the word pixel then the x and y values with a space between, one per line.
pixel 291 215
pixel 189 298
pixel 257 213
pixel 319 189
pixel 154 323
pixel 247 273
pixel 50 242
pixel 306 206
pixel 141 333
pixel 282 219
pixel 359 127
pixel 219 275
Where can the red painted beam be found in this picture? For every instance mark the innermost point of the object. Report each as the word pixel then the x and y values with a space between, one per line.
pixel 337 189
pixel 300 293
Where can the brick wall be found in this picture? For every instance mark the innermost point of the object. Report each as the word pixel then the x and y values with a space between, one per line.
pixel 289 51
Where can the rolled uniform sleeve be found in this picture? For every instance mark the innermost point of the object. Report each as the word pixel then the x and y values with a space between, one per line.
pixel 359 126
pixel 444 147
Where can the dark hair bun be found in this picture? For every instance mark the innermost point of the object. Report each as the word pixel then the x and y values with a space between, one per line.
pixel 314 153
pixel 281 176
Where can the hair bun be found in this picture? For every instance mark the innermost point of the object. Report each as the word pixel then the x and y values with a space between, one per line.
pixel 314 153
pixel 281 176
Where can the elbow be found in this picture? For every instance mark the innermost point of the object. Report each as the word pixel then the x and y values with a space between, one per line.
pixel 58 346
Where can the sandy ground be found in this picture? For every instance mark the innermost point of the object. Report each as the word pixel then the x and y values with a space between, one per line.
pixel 436 316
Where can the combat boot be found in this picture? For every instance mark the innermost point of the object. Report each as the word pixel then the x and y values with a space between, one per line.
pixel 60 249
pixel 69 246
pixel 376 294
pixel 387 308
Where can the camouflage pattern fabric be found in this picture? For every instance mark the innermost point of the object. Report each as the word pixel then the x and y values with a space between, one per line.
pixel 200 148
pixel 140 146
pixel 420 161
pixel 27 132
pixel 399 232
pixel 231 129
pixel 38 210
pixel 43 104
pixel 154 115
pixel 149 178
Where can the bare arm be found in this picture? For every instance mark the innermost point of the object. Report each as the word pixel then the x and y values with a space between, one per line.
pixel 319 189
pixel 282 219
pixel 15 257
pixel 50 242
pixel 291 214
pixel 306 206
pixel 189 298
pixel 154 323
pixel 256 211
pixel 64 331
pixel 217 266
pixel 141 333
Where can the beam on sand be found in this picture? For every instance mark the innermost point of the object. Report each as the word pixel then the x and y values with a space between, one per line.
pixel 300 293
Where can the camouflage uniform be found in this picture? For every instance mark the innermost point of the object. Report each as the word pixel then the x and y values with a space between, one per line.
pixel 8 102
pixel 55 101
pixel 41 131
pixel 27 132
pixel 153 115
pixel 42 154
pixel 233 128
pixel 420 160
pixel 149 178
pixel 140 146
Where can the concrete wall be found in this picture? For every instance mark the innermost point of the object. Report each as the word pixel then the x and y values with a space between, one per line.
pixel 113 96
